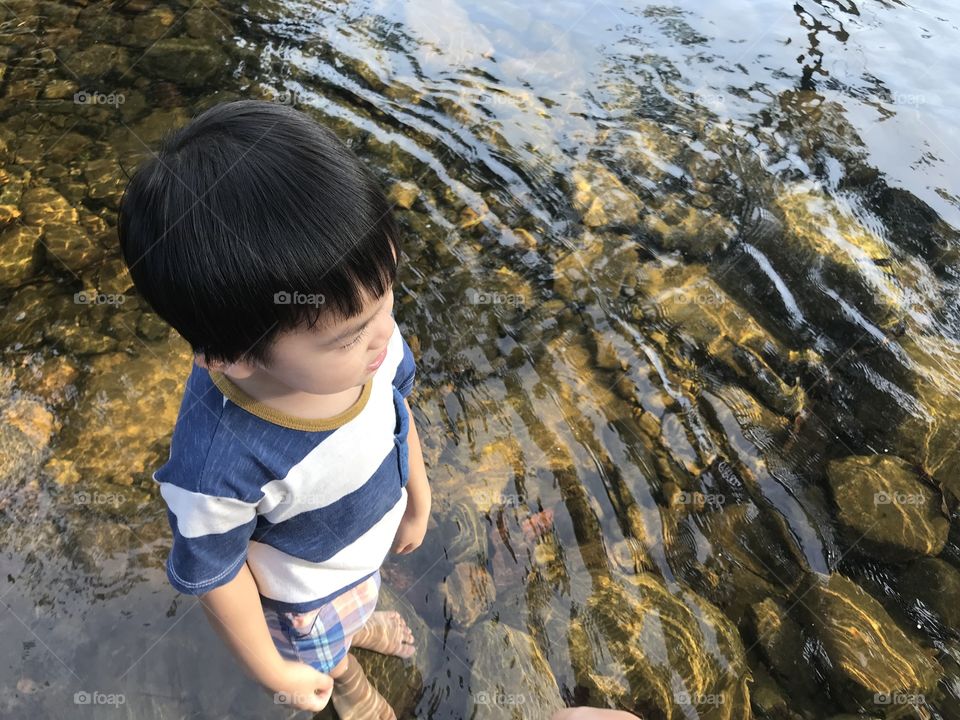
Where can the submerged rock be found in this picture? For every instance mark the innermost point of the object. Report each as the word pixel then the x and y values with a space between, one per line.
pixel 403 194
pixel 602 199
pixel 70 248
pixel 659 652
pixel 746 564
pixel 463 534
pixel 468 592
pixel 19 255
pixel 509 677
pixel 697 233
pixel 935 583
pixel 824 234
pixel 43 205
pixel 883 504
pixel 928 433
pixel 492 471
pixel 870 656
pixel 185 60
pixel 26 429
pixel 782 642
pixel 125 413
pixel 708 319
pixel 602 263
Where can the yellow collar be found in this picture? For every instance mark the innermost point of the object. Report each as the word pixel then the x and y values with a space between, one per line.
pixel 265 412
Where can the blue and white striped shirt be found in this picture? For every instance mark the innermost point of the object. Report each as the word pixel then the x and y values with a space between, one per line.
pixel 311 505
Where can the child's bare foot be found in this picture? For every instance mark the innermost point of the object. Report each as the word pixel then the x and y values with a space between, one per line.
pixel 355 698
pixel 386 632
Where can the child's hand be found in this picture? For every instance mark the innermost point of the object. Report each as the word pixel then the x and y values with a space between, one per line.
pixel 302 687
pixel 410 534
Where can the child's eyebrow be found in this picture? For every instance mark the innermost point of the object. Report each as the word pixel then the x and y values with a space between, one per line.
pixel 357 328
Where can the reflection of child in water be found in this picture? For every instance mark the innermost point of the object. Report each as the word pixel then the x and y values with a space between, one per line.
pixel 295 465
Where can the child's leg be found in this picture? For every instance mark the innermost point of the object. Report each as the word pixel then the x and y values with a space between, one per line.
pixel 354 697
pixel 385 632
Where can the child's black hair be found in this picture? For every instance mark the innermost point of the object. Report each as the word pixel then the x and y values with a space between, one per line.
pixel 248 201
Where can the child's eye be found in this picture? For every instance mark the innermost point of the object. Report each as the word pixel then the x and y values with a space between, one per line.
pixel 355 340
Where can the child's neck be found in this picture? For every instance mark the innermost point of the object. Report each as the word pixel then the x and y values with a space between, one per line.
pixel 307 406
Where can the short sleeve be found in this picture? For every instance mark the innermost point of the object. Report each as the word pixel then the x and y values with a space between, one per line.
pixel 211 534
pixel 406 370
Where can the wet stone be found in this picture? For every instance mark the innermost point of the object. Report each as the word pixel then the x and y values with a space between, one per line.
pixel 150 26
pixel 884 505
pixel 462 533
pixel 60 89
pixel 928 433
pixel 509 679
pixel 97 60
pixel 44 205
pixel 603 263
pixel 696 233
pixel 706 317
pixel 26 429
pixel 124 413
pixel 184 60
pixel 935 583
pixel 822 233
pixel 152 327
pixel 782 642
pixel 661 652
pixel 69 248
pixel 469 592
pixel 104 179
pixel 602 199
pixel 19 255
pixel 53 379
pixel 403 194
pixel 869 654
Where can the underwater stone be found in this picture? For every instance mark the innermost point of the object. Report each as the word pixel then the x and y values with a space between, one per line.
pixel 184 60
pixel 869 654
pixel 462 532
pixel 704 315
pixel 97 60
pixel 403 194
pixel 601 263
pixel 104 179
pixel 935 583
pixel 602 199
pixel 70 247
pixel 694 232
pixel 882 502
pixel 43 205
pixel 660 652
pixel 19 255
pixel 125 413
pixel 469 592
pixel 782 641
pixel 822 232
pixel 928 433
pixel 509 679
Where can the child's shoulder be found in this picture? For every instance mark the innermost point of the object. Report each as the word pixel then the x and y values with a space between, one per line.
pixel 207 455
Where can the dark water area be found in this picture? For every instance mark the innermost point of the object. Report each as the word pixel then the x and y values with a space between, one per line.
pixel 682 282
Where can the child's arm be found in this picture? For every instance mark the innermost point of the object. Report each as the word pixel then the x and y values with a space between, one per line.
pixel 414 524
pixel 235 611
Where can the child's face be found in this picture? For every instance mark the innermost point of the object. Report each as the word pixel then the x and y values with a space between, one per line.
pixel 330 357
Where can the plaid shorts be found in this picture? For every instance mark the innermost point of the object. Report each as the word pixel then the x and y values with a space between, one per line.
pixel 321 637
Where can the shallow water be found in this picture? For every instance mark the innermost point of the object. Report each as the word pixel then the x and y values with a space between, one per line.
pixel 667 269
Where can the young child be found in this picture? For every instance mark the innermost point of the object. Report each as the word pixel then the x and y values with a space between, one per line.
pixel 295 465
